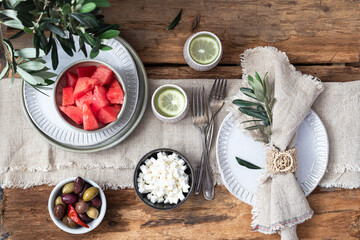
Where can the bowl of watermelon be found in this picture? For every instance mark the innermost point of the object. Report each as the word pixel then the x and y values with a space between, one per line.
pixel 89 95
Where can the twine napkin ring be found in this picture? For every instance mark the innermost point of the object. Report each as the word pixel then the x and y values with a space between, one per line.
pixel 281 162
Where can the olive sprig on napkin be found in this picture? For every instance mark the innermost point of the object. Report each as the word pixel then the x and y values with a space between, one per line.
pixel 261 109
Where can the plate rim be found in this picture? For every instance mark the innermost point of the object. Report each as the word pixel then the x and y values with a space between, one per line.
pixel 244 191
pixel 115 139
pixel 105 134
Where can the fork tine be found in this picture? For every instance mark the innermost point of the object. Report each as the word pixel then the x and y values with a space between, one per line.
pixel 224 90
pixel 197 102
pixel 219 90
pixel 193 101
pixel 201 102
pixel 213 89
pixel 205 112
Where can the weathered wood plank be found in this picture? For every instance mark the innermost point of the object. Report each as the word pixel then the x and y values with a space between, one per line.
pixel 308 31
pixel 324 73
pixel 25 216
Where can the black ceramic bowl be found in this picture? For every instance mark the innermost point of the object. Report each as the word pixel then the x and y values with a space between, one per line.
pixel 163 206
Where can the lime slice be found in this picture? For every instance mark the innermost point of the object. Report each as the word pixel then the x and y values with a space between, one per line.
pixel 204 49
pixel 171 102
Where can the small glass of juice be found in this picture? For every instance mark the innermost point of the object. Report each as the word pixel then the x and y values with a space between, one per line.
pixel 203 51
pixel 169 103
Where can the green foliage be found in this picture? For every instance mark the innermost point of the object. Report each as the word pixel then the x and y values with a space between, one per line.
pixel 247 164
pixel 175 21
pixel 261 108
pixel 63 19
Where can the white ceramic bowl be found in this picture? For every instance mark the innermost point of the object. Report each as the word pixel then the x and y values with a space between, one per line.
pixel 60 83
pixel 198 66
pixel 162 117
pixel 93 224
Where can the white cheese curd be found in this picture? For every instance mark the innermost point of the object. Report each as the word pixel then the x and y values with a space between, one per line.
pixel 164 179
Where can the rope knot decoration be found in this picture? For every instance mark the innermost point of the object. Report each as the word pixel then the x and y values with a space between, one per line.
pixel 281 162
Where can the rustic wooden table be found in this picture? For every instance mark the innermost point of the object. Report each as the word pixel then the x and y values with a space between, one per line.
pixel 320 38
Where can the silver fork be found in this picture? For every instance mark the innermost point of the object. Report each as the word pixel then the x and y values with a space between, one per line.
pixel 216 102
pixel 201 122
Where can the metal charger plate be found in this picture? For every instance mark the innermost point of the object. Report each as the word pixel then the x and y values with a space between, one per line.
pixel 42 109
pixel 311 142
pixel 123 133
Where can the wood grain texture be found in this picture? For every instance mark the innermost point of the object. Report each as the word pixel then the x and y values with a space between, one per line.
pixel 335 73
pixel 308 31
pixel 320 37
pixel 25 216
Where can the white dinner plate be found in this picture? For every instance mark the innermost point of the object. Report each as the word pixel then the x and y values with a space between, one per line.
pixel 42 110
pixel 313 151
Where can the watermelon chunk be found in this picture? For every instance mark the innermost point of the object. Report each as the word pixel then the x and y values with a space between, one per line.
pixel 67 97
pixel 115 93
pixel 86 98
pixel 108 114
pixel 89 120
pixel 103 74
pixel 71 79
pixel 99 99
pixel 83 85
pixel 85 71
pixel 73 112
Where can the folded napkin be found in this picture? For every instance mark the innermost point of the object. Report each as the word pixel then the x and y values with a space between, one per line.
pixel 280 203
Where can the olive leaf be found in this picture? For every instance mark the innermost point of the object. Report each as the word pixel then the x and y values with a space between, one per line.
pixel 101 3
pixel 110 34
pixel 243 103
pixel 26 76
pixel 5 70
pixel 105 47
pixel 247 164
pixel 28 53
pixel 54 55
pixel 32 66
pixel 175 21
pixel 9 13
pixel 248 92
pixel 88 7
pixel 18 34
pixel 14 24
pixel 55 29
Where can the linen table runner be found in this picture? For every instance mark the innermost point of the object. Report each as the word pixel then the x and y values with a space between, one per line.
pixel 26 159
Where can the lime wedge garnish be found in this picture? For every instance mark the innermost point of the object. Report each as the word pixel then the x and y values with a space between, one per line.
pixel 204 49
pixel 171 102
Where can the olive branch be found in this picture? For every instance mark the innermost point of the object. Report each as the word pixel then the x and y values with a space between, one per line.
pixel 260 110
pixel 51 22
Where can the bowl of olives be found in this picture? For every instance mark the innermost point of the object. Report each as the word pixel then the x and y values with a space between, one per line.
pixel 77 205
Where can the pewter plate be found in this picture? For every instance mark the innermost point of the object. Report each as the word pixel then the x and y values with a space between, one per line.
pixel 42 110
pixel 311 142
pixel 122 134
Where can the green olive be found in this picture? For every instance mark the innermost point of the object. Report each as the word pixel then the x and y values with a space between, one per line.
pixel 59 201
pixel 92 213
pixel 90 193
pixel 68 188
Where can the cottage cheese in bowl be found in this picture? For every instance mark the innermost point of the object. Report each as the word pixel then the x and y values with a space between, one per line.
pixel 164 179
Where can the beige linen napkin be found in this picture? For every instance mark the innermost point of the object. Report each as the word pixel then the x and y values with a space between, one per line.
pixel 280 203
